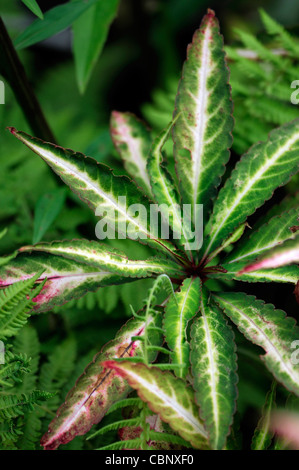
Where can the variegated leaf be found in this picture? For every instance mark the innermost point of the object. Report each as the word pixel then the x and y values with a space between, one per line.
pixel 269 329
pixel 260 171
pixel 126 209
pixel 132 140
pixel 262 435
pixel 98 388
pixel 178 312
pixel 106 258
pixel 214 364
pixel 269 235
pixel 284 274
pixel 202 133
pixel 284 254
pixel 66 279
pixel 166 194
pixel 167 396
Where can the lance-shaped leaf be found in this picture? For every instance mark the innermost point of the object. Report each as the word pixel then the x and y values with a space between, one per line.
pixel 260 171
pixel 179 310
pixel 262 435
pixel 167 396
pixel 33 6
pixel 98 388
pixel 125 209
pixel 202 133
pixel 281 255
pixel 132 140
pixel 285 274
pixel 90 32
pixel 213 362
pixel 276 231
pixel 66 279
pixel 106 258
pixel 269 329
pixel 166 195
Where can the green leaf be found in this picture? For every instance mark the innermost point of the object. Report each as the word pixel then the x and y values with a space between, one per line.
pixel 202 133
pixel 98 388
pixel 166 194
pixel 55 20
pixel 105 193
pixel 285 274
pixel 269 235
pixel 46 211
pixel 262 435
pixel 66 279
pixel 12 406
pixel 109 259
pixel 276 29
pixel 33 6
pixel 90 33
pixel 16 302
pixel 275 232
pixel 269 329
pixel 179 310
pixel 287 253
pixel 214 364
pixel 166 396
pixel 132 140
pixel 260 171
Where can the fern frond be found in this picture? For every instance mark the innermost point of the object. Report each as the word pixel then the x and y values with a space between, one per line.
pixel 125 403
pixel 121 445
pixel 12 406
pixel 115 426
pixel 168 438
pixel 15 306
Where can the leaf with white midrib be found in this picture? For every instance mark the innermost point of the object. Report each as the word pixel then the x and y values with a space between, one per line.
pixel 166 396
pixel 260 171
pixel 105 193
pixel 276 231
pixel 178 312
pixel 213 366
pixel 268 328
pixel 202 133
pixel 165 192
pixel 132 140
pixel 106 258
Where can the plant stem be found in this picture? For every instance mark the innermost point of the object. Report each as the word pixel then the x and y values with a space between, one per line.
pixel 13 71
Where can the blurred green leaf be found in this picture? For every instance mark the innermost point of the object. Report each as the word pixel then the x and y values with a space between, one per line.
pixel 55 20
pixel 33 6
pixel 46 211
pixel 90 33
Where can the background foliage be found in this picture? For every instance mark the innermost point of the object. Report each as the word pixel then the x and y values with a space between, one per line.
pixel 136 69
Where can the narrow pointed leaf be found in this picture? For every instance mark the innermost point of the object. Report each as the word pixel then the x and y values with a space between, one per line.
pixel 284 254
pixel 166 194
pixel 105 193
pixel 179 310
pixel 213 365
pixel 132 140
pixel 261 170
pixel 166 396
pixel 269 329
pixel 269 235
pixel 33 6
pixel 46 211
pixel 262 435
pixel 98 388
pixel 66 279
pixel 106 258
pixel 202 133
pixel 55 20
pixel 90 33
pixel 284 274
